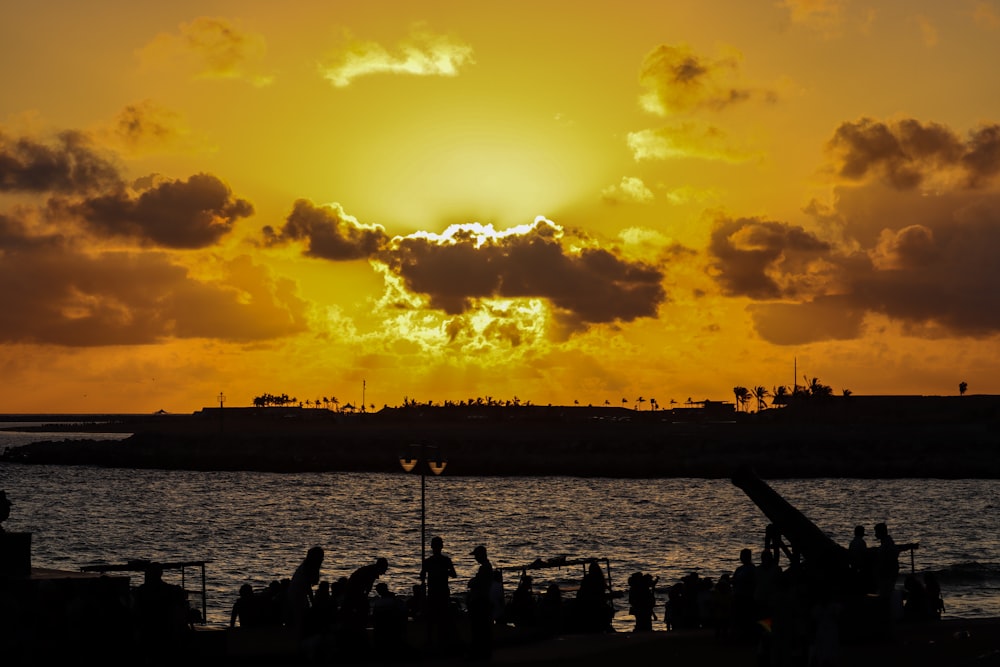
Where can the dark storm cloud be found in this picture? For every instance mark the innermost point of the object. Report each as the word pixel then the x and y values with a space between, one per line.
pixel 68 165
pixel 585 286
pixel 588 286
pixel 823 318
pixel 174 214
pixel 924 259
pixel 904 153
pixel 328 232
pixel 763 259
pixel 54 294
pixel 926 262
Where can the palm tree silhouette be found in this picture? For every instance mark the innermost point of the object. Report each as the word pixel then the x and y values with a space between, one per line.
pixel 639 401
pixel 779 395
pixel 742 395
pixel 761 394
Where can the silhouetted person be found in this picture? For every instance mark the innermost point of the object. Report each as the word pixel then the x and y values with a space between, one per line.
pixel 274 602
pixel 355 609
pixel 641 600
pixel 521 610
pixel 416 605
pixel 388 622
pixel 935 603
pixel 299 596
pixel 5 506
pixel 722 606
pixel 592 601
pixel 671 608
pixel 767 591
pixel 323 610
pixel 886 561
pixel 480 607
pixel 161 616
pixel 744 585
pixel 825 613
pixel 498 599
pixel 860 561
pixel 915 605
pixel 247 610
pixel 550 611
pixel 437 572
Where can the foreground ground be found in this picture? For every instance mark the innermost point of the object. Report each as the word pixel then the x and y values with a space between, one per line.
pixel 949 643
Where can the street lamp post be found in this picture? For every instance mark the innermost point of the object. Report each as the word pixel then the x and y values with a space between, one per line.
pixel 436 464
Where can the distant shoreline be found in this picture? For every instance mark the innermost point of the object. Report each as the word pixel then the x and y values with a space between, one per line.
pixel 644 447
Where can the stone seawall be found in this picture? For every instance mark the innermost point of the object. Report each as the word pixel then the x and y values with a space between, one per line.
pixel 549 448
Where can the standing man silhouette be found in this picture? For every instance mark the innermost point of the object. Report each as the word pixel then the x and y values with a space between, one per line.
pixel 480 607
pixel 436 573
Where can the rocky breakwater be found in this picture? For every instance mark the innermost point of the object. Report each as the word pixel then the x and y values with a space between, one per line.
pixel 589 447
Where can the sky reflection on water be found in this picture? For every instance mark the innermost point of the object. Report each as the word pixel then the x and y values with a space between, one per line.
pixel 257 526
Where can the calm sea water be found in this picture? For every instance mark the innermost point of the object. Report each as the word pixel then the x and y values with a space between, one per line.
pixel 256 527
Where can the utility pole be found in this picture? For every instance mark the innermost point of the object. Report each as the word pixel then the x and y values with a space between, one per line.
pixel 222 400
pixel 364 384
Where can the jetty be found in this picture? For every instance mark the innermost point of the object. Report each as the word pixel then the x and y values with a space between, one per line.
pixel 856 437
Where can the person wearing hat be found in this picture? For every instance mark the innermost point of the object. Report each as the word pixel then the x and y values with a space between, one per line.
pixel 480 607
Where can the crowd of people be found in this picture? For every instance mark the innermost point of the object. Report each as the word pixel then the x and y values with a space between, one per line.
pixel 358 615
pixel 794 614
pixel 769 599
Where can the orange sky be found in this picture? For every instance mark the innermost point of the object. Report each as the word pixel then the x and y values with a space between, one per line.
pixel 558 202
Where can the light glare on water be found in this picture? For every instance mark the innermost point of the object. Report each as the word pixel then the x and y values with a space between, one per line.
pixel 256 527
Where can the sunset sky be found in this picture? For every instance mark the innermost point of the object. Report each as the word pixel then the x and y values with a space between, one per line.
pixel 559 202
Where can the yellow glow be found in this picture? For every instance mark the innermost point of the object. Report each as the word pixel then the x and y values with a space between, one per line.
pixel 755 184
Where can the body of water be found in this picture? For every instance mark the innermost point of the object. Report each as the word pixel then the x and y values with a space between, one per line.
pixel 256 527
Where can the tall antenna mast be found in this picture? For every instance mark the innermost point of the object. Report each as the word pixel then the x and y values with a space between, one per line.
pixel 795 374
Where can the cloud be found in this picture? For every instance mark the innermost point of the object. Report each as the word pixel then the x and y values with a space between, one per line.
pixel 928 31
pixel 685 140
pixel 986 15
pixel 678 80
pixel 175 214
pixel 467 263
pixel 145 127
pixel 823 15
pixel 584 284
pixel 629 190
pixel 68 164
pixel 907 153
pixel 423 54
pixel 765 259
pixel 823 318
pixel 55 294
pixel 925 260
pixel 213 48
pixel 329 233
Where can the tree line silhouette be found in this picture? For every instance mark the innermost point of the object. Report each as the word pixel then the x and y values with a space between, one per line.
pixel 780 396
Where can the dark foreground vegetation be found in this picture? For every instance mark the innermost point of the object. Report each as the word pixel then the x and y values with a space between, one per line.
pixel 886 437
